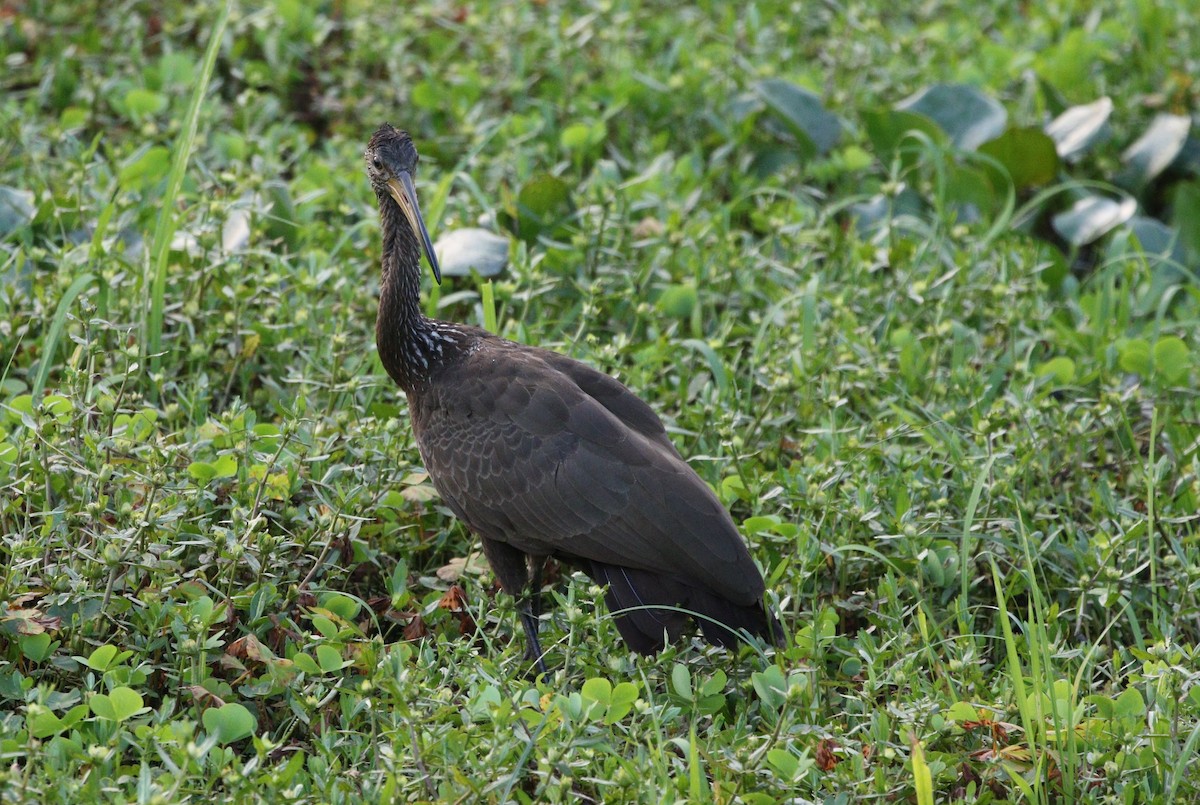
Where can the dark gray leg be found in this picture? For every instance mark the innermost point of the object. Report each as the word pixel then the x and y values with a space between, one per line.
pixel 514 570
pixel 531 611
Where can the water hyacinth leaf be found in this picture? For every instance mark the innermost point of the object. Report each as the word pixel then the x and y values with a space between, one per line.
pixel 471 249
pixel 871 214
pixel 16 209
pixel 969 192
pixel 542 204
pixel 815 128
pixel 1079 128
pixel 1027 154
pixel 887 129
pixel 966 114
pixel 1150 237
pixel 1091 218
pixel 1154 151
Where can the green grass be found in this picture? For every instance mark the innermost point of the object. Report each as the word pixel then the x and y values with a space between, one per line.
pixel 971 481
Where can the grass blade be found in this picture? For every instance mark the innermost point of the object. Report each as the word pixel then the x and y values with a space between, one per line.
pixel 57 325
pixel 164 230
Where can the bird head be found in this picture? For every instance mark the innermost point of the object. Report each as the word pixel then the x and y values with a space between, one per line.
pixel 391 165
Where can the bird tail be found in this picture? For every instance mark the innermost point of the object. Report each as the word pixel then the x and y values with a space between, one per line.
pixel 648 607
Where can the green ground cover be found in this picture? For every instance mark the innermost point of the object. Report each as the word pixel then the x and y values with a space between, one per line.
pixel 952 410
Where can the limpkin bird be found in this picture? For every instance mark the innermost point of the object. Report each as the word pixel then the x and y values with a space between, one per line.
pixel 542 456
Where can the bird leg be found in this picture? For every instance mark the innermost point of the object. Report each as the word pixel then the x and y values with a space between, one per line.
pixel 533 646
pixel 531 612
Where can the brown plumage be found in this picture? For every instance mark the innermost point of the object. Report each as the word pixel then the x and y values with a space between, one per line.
pixel 543 456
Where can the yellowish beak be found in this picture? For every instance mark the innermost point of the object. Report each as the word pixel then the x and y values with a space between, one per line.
pixel 405 194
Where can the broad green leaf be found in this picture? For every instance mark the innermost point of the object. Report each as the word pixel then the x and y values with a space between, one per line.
pixel 1027 154
pixel 969 192
pixel 624 695
pixel 126 703
pixel 57 406
pixel 306 663
pixel 145 168
pixel 815 128
pixel 341 605
pixel 225 466
pixel 597 689
pixel 116 706
pixel 330 659
pixel 42 722
pixel 542 204
pixel 1135 356
pixel 1152 237
pixel 230 722
pixel 1061 369
pixel 102 658
pixel 1172 359
pixel 202 471
pixel 142 103
pixel 962 711
pixel 582 136
pixel 966 114
pixel 325 626
pixel 1130 704
pixel 36 647
pixel 176 69
pixel 771 686
pixel 888 128
pixel 678 301
pixel 785 764
pixel 681 680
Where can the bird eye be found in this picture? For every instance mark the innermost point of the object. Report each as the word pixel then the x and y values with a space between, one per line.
pixel 378 163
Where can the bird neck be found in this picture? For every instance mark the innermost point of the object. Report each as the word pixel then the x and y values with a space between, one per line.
pixel 407 339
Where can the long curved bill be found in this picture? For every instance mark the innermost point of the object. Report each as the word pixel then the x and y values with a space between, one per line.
pixel 405 194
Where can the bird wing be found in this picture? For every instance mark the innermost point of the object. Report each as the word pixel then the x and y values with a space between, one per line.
pixel 544 455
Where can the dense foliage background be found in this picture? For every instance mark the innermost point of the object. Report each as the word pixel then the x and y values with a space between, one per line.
pixel 937 358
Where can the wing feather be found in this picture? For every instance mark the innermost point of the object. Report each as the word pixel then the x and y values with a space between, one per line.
pixel 555 458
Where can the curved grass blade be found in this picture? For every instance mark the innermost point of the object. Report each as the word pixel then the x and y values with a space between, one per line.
pixel 57 325
pixel 164 230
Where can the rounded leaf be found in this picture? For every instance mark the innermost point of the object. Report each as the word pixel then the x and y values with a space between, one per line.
pixel 1027 154
pixel 230 722
pixel 471 249
pixel 966 114
pixel 1080 127
pixel 1155 150
pixel 678 301
pixel 1091 218
pixel 802 112
pixel 1172 359
pixel 542 204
